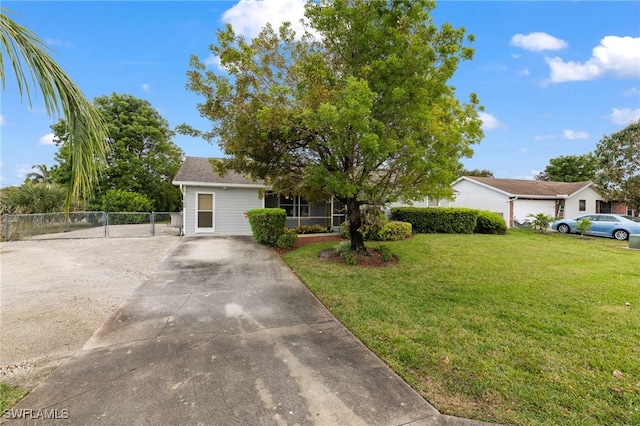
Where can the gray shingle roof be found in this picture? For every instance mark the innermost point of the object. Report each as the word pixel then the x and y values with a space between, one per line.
pixel 199 170
pixel 518 187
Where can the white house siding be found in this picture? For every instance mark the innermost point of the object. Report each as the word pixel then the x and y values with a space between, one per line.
pixel 421 203
pixel 523 208
pixel 591 197
pixel 230 204
pixel 474 196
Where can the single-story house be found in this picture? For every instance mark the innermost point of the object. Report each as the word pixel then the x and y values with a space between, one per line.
pixel 214 204
pixel 516 199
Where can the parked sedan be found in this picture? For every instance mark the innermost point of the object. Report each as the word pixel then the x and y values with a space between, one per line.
pixel 617 226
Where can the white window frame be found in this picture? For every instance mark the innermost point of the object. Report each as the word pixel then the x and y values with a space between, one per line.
pixel 205 230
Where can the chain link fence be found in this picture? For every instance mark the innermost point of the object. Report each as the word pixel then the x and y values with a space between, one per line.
pixel 89 225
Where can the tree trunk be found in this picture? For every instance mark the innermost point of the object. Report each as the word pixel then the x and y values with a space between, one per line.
pixel 355 222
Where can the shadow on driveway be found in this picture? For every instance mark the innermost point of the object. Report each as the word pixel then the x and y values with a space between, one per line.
pixel 224 333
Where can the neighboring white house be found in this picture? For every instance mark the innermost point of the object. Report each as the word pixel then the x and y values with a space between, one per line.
pixel 516 199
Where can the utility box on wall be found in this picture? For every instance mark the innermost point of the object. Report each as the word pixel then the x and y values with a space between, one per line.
pixel 634 241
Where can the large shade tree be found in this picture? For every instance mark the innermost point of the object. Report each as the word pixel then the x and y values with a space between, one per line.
pixel 361 110
pixel 87 134
pixel 570 168
pixel 142 156
pixel 618 157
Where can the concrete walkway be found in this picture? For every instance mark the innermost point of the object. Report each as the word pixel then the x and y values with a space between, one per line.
pixel 224 333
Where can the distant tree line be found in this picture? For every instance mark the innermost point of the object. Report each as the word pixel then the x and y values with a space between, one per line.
pixel 141 162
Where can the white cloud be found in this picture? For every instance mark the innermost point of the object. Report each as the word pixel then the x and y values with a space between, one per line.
pixel 538 41
pixel 524 150
pixel 46 139
pixel 632 92
pixel 2 120
pixel 146 87
pixel 22 170
pixel 213 60
pixel 57 42
pixel 575 134
pixel 249 16
pixel 617 56
pixel 624 116
pixel 525 72
pixel 489 122
pixel 544 137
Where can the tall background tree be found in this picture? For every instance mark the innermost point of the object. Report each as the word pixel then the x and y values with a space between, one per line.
pixel 142 157
pixel 42 175
pixel 363 112
pixel 618 157
pixel 477 173
pixel 570 168
pixel 86 132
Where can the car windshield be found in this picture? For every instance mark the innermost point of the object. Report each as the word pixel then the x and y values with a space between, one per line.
pixel 634 219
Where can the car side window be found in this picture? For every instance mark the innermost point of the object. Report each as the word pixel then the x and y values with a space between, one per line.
pixel 607 219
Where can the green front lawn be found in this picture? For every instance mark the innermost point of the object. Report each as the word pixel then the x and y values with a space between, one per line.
pixel 9 396
pixel 522 328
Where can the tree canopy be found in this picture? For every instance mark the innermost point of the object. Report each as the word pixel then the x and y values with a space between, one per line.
pixel 570 168
pixel 477 173
pixel 86 132
pixel 142 157
pixel 361 110
pixel 618 158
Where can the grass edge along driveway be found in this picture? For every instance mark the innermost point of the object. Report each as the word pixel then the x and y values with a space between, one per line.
pixel 523 328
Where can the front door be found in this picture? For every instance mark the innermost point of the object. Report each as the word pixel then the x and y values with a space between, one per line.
pixel 205 212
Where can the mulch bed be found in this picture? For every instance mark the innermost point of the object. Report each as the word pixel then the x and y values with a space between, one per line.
pixel 331 255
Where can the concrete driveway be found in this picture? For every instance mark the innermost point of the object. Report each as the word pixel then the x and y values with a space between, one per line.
pixel 224 333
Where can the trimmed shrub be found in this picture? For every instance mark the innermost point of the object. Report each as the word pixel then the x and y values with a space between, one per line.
pixel 490 223
pixel 118 200
pixel 448 220
pixel 267 225
pixel 394 230
pixel 288 239
pixel 311 229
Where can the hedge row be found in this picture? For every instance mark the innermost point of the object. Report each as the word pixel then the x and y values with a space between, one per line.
pixel 391 230
pixel 450 220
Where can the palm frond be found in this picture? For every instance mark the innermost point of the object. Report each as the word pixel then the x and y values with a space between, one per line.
pixel 61 96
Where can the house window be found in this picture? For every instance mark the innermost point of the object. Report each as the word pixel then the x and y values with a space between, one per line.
pixel 294 206
pixel 204 212
pixel 582 205
pixel 602 207
pixel 432 202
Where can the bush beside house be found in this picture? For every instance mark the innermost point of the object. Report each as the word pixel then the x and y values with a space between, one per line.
pixel 450 220
pixel 267 224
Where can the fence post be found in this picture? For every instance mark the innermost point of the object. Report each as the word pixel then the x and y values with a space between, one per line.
pixel 153 224
pixel 106 224
pixel 6 227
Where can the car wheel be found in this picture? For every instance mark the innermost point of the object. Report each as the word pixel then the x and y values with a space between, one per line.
pixel 620 234
pixel 564 228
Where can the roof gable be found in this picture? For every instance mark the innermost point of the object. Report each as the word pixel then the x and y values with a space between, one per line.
pixel 535 188
pixel 198 170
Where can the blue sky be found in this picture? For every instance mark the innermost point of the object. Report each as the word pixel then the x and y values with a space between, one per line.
pixel 554 76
